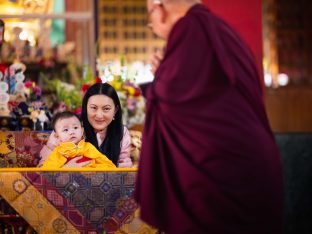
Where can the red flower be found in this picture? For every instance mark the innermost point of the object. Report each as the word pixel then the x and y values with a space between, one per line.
pixel 98 80
pixel 12 104
pixel 3 67
pixel 137 92
pixel 85 87
pixel 28 84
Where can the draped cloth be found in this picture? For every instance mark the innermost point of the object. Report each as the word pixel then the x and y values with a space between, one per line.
pixel 81 202
pixel 66 151
pixel 209 162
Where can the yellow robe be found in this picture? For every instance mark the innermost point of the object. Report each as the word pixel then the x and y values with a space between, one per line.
pixel 68 150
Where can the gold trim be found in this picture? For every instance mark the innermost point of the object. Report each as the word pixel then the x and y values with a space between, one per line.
pixel 37 169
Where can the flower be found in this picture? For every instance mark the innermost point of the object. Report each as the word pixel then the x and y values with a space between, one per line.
pixel 85 87
pixel 68 96
pixel 37 90
pixel 63 96
pixel 3 67
pixel 98 80
pixel 32 90
pixel 28 84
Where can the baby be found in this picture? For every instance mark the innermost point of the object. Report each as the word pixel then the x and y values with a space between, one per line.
pixel 69 131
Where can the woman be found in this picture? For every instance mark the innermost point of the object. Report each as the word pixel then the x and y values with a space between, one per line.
pixel 102 121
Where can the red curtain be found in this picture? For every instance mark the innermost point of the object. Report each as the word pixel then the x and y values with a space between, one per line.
pixel 246 17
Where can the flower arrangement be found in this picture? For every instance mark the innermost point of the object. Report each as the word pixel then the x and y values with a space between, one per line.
pixel 20 99
pixel 132 101
pixel 24 98
pixel 62 95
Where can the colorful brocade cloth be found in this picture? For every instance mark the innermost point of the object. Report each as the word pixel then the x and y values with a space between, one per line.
pixel 74 202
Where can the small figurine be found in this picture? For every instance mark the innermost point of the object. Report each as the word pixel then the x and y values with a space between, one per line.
pixel 43 118
pixel 4 99
pixel 34 117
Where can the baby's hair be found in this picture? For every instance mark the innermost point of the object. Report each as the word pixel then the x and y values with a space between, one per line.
pixel 62 115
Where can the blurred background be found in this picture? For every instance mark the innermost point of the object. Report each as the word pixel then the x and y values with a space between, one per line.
pixel 66 40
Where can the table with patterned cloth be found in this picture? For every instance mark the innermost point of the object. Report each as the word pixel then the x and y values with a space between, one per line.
pixel 74 201
pixel 80 200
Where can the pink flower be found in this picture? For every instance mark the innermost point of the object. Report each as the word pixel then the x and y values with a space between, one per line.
pixel 37 90
pixel 77 111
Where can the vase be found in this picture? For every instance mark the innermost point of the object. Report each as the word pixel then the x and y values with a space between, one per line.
pixel 5 123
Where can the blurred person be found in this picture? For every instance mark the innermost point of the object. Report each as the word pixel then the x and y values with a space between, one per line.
pixel 209 162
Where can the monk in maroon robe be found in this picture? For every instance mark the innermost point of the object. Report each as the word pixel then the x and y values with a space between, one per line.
pixel 209 161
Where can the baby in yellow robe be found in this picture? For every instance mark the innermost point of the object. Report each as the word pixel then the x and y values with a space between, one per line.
pixel 69 131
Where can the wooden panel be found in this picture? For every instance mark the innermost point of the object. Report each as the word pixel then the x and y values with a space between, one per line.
pixel 294 33
pixel 123 30
pixel 289 109
pixel 81 32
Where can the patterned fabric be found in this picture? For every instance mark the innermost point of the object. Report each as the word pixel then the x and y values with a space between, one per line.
pixel 67 202
pixel 7 150
pixel 74 202
pixel 21 149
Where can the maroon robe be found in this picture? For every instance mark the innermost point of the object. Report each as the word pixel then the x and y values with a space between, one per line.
pixel 209 161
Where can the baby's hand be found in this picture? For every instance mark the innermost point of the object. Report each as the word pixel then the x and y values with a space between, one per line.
pixel 75 164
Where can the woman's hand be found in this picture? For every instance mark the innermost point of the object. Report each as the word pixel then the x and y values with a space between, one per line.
pixel 155 60
pixel 75 164
pixel 46 150
pixel 53 141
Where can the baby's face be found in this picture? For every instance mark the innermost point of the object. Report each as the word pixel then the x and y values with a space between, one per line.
pixel 69 130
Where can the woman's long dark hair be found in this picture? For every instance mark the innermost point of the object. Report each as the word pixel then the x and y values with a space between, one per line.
pixel 111 145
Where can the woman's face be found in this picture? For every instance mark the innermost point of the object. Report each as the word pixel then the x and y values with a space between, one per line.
pixel 100 111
